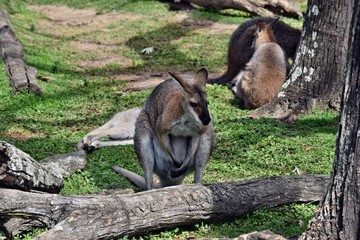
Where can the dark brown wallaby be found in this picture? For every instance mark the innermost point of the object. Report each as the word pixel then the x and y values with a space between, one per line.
pixel 265 73
pixel 240 47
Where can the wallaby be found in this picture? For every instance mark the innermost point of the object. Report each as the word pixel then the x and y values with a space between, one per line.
pixel 174 134
pixel 240 50
pixel 120 129
pixel 266 71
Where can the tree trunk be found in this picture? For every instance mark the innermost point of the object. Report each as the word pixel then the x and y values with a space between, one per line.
pixel 105 216
pixel 22 77
pixel 19 170
pixel 268 8
pixel 316 77
pixel 339 214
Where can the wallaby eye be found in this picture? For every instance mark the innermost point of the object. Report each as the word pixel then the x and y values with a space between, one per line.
pixel 193 104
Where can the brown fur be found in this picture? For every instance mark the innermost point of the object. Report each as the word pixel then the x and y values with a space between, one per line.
pixel 265 73
pixel 240 50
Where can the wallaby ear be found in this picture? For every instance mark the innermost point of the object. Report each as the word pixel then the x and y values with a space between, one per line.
pixel 273 23
pixel 201 78
pixel 183 82
pixel 260 25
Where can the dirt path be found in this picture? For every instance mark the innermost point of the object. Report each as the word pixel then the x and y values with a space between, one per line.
pixel 83 25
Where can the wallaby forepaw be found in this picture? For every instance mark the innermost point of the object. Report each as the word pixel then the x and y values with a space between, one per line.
pixel 85 147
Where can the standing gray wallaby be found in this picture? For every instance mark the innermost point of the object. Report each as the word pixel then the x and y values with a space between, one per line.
pixel 240 50
pixel 266 71
pixel 174 134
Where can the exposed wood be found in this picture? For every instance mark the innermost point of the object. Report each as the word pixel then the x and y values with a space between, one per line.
pixel 15 226
pixel 268 8
pixel 101 216
pixel 19 170
pixel 338 215
pixel 263 235
pixel 22 77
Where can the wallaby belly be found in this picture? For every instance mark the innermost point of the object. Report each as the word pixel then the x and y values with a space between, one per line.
pixel 163 162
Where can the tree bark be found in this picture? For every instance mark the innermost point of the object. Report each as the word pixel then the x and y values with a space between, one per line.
pixel 338 216
pixel 268 8
pixel 316 77
pixel 19 170
pixel 22 77
pixel 105 216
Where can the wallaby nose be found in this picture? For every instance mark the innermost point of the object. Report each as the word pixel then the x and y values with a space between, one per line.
pixel 205 119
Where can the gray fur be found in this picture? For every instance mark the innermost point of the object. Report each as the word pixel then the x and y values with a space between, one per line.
pixel 120 129
pixel 173 139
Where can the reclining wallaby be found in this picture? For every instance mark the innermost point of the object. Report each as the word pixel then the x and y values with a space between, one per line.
pixel 120 129
pixel 174 134
pixel 264 75
pixel 240 50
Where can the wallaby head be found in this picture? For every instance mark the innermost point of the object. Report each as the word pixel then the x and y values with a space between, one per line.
pixel 195 99
pixel 264 32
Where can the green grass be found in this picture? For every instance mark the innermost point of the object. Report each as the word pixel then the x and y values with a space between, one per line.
pixel 80 99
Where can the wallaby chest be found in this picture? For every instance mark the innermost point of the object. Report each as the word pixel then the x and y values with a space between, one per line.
pixel 185 126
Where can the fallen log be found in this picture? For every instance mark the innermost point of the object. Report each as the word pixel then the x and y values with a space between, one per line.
pixel 106 216
pixel 19 170
pixel 267 8
pixel 22 77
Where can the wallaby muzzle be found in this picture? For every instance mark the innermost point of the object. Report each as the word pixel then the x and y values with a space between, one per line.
pixel 205 116
pixel 205 119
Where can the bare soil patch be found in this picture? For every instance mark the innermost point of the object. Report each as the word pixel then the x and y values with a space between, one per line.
pixel 22 134
pixel 83 25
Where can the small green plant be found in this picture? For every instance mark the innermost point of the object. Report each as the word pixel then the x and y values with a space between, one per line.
pixel 112 26
pixel 79 183
pixel 32 28
pixel 55 67
pixel 202 229
pixel 30 235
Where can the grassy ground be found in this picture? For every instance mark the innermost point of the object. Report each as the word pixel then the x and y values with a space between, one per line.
pixel 88 63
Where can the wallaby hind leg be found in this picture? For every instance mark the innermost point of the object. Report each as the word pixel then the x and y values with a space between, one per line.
pixel 203 154
pixel 144 148
pixel 112 143
pixel 120 128
pixel 123 135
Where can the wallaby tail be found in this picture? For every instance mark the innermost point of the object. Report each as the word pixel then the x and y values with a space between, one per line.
pixel 133 178
pixel 225 78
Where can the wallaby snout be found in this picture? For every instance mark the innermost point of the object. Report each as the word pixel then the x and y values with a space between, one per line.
pixel 205 119
pixel 202 111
